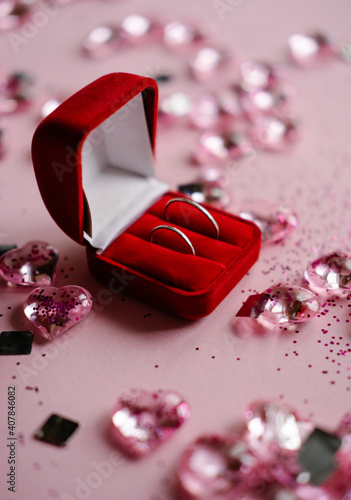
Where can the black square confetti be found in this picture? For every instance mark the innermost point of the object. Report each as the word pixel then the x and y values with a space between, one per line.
pixel 317 455
pixel 56 430
pixel 16 342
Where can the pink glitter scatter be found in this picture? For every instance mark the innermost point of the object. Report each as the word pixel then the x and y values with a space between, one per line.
pixel 55 310
pixel 33 264
pixel 142 419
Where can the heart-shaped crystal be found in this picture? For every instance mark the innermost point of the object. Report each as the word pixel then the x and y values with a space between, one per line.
pixel 54 310
pixel 33 264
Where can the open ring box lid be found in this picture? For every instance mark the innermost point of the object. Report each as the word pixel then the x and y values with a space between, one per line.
pixel 94 162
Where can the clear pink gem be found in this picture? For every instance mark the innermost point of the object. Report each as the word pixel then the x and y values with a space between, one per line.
pixel 142 420
pixel 181 36
pixel 265 101
pixel 49 106
pixel 211 466
pixel 211 192
pixel 174 107
pixel 207 61
pixel 12 14
pixel 274 221
pixel 205 112
pixel 259 76
pixel 344 428
pixel 229 103
pixel 102 41
pixel 275 423
pixel 288 304
pixel 138 29
pixel 54 310
pixel 306 49
pixel 33 264
pixel 273 133
pixel 331 272
pixel 220 147
pixel 16 92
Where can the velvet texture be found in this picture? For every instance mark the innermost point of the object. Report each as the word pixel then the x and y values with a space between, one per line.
pixel 157 272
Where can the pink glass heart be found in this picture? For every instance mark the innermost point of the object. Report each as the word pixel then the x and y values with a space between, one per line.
pixel 142 419
pixel 55 310
pixel 33 264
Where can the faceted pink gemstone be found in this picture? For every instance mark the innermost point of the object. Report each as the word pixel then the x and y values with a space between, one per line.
pixel 330 272
pixel 273 133
pixel 103 41
pixel 259 76
pixel 205 112
pixel 139 29
pixel 182 37
pixel 33 264
pixel 265 101
pixel 211 192
pixel 211 466
pixel 306 49
pixel 142 420
pixel 274 221
pixel 54 310
pixel 13 13
pixel 207 62
pixel 174 107
pixel 229 103
pixel 286 303
pixel 221 147
pixel 275 423
pixel 16 92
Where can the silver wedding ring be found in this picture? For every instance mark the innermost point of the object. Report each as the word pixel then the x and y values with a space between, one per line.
pixel 203 210
pixel 175 230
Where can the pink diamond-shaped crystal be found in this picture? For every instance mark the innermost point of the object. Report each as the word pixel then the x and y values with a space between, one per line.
pixel 16 92
pixel 205 112
pixel 207 62
pixel 281 304
pixel 273 133
pixel 102 41
pixel 139 29
pixel 330 272
pixel 258 76
pixel 173 107
pixel 221 147
pixel 211 466
pixel 265 101
pixel 55 310
pixel 33 264
pixel 275 423
pixel 142 420
pixel 13 13
pixel 307 49
pixel 274 221
pixel 180 36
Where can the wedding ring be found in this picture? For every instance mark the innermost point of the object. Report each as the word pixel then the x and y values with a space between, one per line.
pixel 175 230
pixel 196 205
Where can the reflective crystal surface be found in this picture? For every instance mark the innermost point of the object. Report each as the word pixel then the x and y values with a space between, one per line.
pixel 331 272
pixel 270 422
pixel 181 36
pixel 102 41
pixel 206 192
pixel 56 430
pixel 138 29
pixel 258 76
pixel 55 310
pixel 282 304
pixel 274 221
pixel 33 264
pixel 205 112
pixel 173 107
pixel 265 101
pixel 142 420
pixel 12 14
pixel 211 465
pixel 273 133
pixel 16 92
pixel 306 49
pixel 220 147
pixel 206 63
pixel 49 106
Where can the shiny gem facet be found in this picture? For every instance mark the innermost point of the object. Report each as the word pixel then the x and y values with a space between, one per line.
pixel 330 272
pixel 219 148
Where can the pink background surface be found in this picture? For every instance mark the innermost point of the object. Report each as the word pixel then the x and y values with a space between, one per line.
pixel 118 345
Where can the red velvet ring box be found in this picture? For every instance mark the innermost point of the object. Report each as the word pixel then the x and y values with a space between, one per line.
pixel 93 159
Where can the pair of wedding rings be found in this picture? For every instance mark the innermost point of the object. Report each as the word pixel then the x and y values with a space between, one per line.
pixel 164 227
